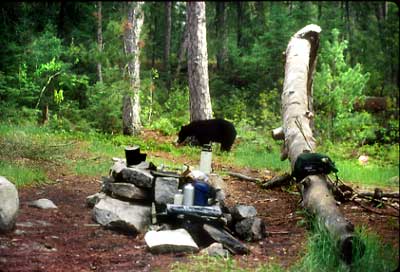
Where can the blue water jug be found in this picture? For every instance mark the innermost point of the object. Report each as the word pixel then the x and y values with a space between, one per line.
pixel 201 193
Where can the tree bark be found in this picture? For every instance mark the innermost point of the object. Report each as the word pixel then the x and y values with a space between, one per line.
pixel 239 10
pixel 131 105
pixel 200 102
pixel 301 55
pixel 99 40
pixel 183 48
pixel 167 42
pixel 220 28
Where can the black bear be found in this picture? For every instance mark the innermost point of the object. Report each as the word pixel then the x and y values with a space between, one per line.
pixel 212 130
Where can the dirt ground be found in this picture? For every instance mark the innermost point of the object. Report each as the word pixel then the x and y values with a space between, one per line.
pixel 67 239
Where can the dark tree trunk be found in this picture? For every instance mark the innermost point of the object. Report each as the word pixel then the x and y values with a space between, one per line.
pixel 61 19
pixel 167 42
pixel 153 46
pixel 183 48
pixel 220 28
pixel 348 30
pixel 239 10
pixel 99 40
pixel 319 10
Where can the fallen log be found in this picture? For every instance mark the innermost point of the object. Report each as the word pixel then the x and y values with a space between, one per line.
pixel 297 115
pixel 244 177
pixel 277 181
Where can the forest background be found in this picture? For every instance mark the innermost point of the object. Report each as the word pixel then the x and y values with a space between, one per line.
pixel 50 54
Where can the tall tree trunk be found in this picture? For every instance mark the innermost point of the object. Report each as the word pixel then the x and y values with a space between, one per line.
pixel 99 40
pixel 301 54
pixel 348 30
pixel 154 37
pixel 319 11
pixel 167 42
pixel 131 109
pixel 200 102
pixel 182 49
pixel 220 28
pixel 239 35
pixel 61 19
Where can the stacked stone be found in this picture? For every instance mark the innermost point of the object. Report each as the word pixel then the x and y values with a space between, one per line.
pixel 125 198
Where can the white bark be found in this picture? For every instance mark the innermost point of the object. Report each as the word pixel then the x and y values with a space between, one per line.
pixel 200 102
pixel 133 27
pixel 297 112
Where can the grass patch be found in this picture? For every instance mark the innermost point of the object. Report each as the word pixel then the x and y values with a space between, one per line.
pixel 322 254
pixel 22 175
pixel 202 263
pixel 256 156
pixel 368 175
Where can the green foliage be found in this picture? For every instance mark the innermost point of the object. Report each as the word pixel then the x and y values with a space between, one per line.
pixel 22 175
pixel 170 111
pixel 337 86
pixel 105 107
pixel 219 264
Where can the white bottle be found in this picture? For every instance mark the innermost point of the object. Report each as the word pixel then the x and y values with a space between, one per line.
pixel 205 159
pixel 188 195
pixel 178 198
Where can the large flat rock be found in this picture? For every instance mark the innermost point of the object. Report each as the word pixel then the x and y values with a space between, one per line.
pixel 114 213
pixel 167 241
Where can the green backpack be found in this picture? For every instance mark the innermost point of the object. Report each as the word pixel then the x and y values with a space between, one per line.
pixel 313 164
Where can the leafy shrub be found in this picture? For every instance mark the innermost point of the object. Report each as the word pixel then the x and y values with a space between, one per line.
pixel 337 86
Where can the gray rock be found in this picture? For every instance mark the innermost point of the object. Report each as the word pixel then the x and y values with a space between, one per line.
pixel 9 205
pixel 214 250
pixel 106 182
pixel 250 229
pixel 138 177
pixel 116 169
pixel 166 241
pixel 43 203
pixel 240 212
pixel 164 190
pixel 129 191
pixel 93 199
pixel 144 165
pixel 226 239
pixel 114 213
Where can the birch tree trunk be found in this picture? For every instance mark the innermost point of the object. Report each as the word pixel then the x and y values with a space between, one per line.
pixel 301 55
pixel 200 102
pixel 99 40
pixel 131 104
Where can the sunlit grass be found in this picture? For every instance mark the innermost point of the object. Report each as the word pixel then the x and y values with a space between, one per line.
pixel 94 151
pixel 368 175
pixel 22 175
pixel 200 263
pixel 257 156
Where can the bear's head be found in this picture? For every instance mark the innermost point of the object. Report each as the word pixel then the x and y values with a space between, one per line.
pixel 183 134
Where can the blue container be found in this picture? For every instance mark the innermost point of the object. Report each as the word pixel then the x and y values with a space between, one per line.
pixel 201 193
